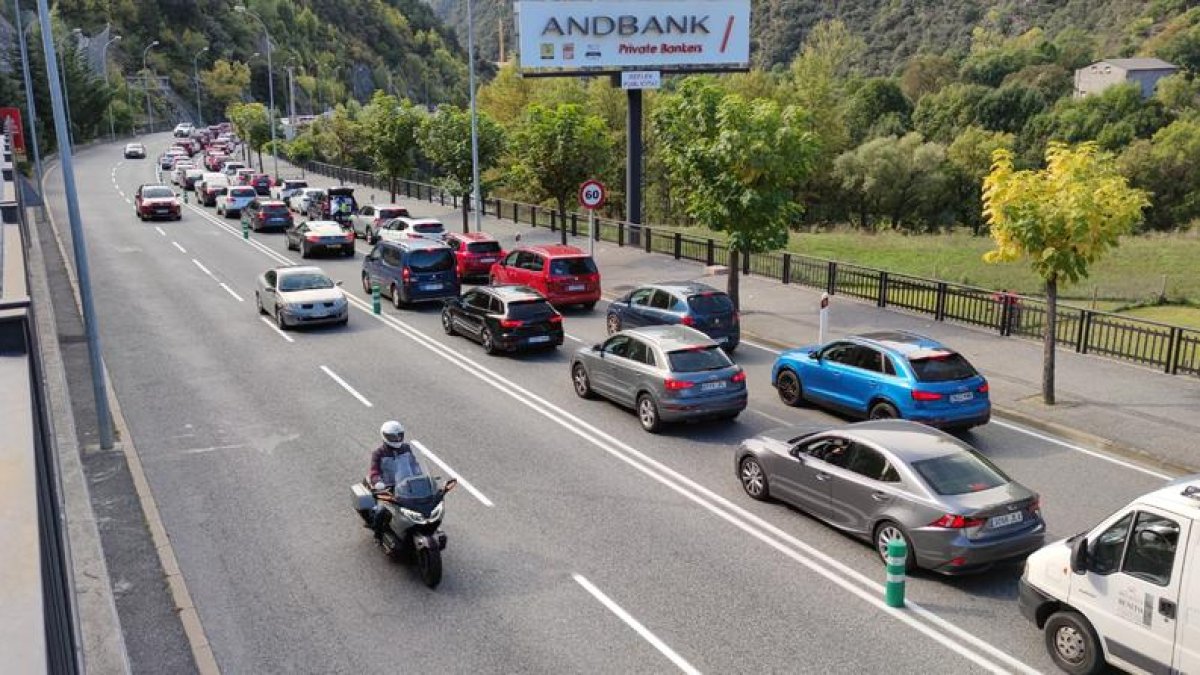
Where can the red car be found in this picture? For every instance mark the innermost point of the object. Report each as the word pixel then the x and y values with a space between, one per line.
pixel 261 183
pixel 213 161
pixel 474 253
pixel 565 275
pixel 156 201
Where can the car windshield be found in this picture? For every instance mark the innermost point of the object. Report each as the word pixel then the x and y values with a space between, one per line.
pixel 274 209
pixel 696 359
pixel 431 260
pixel 710 303
pixel 529 309
pixel 388 214
pixel 294 184
pixel 304 281
pixel 561 267
pixel 157 193
pixel 960 473
pixel 243 192
pixel 484 247
pixel 942 367
pixel 429 228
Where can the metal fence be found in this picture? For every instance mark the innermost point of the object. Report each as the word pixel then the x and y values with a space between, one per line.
pixel 1173 349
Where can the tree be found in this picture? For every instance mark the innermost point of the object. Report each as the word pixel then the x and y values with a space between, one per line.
pixel 897 178
pixel 877 98
pixel 391 128
pixel 226 82
pixel 1060 219
pixel 251 123
pixel 942 115
pixel 968 160
pixel 736 163
pixel 1168 165
pixel 1008 108
pixel 926 74
pixel 301 151
pixel 556 149
pixel 445 139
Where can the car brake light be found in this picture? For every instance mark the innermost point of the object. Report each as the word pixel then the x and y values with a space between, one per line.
pixel 557 318
pixel 511 323
pixel 983 388
pixel 919 395
pixel 406 274
pixel 676 385
pixel 687 320
pixel 313 238
pixel 739 376
pixel 350 235
pixel 954 522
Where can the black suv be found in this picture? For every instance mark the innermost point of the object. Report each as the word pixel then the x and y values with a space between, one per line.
pixel 504 318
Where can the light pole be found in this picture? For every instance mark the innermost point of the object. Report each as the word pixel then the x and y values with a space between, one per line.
pixel 270 85
pixel 112 127
pixel 31 125
pixel 291 97
pixel 146 83
pixel 475 192
pixel 62 59
pixel 196 75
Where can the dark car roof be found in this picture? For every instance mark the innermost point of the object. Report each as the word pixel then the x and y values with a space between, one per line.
pixel 513 292
pixel 671 337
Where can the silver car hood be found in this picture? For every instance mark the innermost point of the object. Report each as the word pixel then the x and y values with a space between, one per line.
pixel 312 295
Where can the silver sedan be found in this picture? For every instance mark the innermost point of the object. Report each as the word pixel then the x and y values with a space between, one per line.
pixel 301 296
pixel 889 479
pixel 665 373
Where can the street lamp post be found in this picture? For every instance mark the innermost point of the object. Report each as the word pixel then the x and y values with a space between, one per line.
pixel 31 125
pixel 270 85
pixel 196 76
pixel 475 192
pixel 146 83
pixel 112 127
pixel 291 96
pixel 62 60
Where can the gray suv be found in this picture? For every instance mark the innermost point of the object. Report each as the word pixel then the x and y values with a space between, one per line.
pixel 665 373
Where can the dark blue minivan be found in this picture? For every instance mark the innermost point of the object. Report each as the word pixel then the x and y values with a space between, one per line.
pixel 688 303
pixel 416 270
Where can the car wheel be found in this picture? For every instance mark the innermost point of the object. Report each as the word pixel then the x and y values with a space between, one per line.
pixel 589 306
pixel 883 411
pixel 397 301
pixel 579 378
pixel 1072 644
pixel 887 531
pixel 366 281
pixel 647 413
pixel 279 320
pixel 179 216
pixel 488 342
pixel 447 322
pixel 754 479
pixel 258 303
pixel 350 253
pixel 612 323
pixel 791 392
pixel 369 237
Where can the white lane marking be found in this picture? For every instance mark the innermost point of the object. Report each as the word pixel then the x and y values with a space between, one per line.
pixel 128 200
pixel 453 474
pixel 346 385
pixel 572 337
pixel 181 249
pixel 918 618
pixel 1080 449
pixel 160 230
pixel 230 291
pixel 636 625
pixel 275 328
pixel 762 347
pixel 204 269
pixel 777 420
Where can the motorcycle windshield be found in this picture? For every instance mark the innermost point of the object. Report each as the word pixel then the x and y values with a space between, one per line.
pixel 419 493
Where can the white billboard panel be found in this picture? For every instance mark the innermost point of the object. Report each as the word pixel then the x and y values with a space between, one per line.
pixel 568 36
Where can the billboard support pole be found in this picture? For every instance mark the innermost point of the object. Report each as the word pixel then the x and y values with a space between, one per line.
pixel 633 164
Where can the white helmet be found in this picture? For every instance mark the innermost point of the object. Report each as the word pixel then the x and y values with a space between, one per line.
pixel 393 433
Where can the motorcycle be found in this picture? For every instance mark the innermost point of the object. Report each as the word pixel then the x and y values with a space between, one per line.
pixel 413 511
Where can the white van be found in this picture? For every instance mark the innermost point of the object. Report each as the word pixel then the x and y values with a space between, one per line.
pixel 1126 592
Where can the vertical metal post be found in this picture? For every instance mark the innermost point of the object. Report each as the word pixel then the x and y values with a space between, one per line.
pixel 633 164
pixel 196 75
pixel 112 127
pixel 82 272
pixel 592 232
pixel 31 125
pixel 474 116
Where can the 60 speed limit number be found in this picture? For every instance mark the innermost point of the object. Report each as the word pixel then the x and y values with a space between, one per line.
pixel 592 194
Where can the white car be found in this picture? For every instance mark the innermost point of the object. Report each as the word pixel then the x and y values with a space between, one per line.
pixel 181 169
pixel 300 199
pixel 301 296
pixel 287 188
pixel 236 198
pixel 230 168
pixel 403 229
pixel 183 130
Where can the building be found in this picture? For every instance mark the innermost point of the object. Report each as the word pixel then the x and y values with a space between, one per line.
pixel 1101 75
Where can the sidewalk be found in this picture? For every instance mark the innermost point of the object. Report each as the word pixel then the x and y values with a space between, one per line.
pixel 1105 404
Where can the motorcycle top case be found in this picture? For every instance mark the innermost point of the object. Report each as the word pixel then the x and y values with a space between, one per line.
pixel 363 499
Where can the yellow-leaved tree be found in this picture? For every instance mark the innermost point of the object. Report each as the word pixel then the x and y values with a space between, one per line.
pixel 1061 219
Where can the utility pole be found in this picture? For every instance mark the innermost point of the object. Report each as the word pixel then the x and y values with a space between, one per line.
pixel 146 83
pixel 31 125
pixel 475 191
pixel 241 9
pixel 292 99
pixel 99 390
pixel 196 75
pixel 112 128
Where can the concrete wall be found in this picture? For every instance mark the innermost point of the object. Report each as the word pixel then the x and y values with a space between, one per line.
pixel 1097 77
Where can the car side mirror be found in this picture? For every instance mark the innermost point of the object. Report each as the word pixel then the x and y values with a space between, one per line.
pixel 1079 556
pixel 270 289
pixel 814 355
pixel 337 283
pixel 596 348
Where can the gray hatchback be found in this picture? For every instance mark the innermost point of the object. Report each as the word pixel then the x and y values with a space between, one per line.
pixel 890 479
pixel 665 373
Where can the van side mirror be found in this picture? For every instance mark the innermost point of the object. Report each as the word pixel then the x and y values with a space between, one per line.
pixel 1079 556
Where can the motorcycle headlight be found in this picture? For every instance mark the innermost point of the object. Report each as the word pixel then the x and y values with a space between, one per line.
pixel 436 514
pixel 414 516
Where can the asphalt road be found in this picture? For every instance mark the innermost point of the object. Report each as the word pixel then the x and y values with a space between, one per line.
pixel 583 543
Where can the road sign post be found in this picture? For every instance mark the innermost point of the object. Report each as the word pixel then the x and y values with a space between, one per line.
pixel 823 324
pixel 591 197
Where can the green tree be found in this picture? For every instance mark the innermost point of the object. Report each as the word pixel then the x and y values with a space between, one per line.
pixel 251 123
pixel 737 163
pixel 968 160
pixel 878 98
pixel 1060 219
pixel 1168 165
pixel 225 82
pixel 391 129
pixel 445 139
pixel 899 179
pixel 556 149
pixel 943 115
pixel 925 74
pixel 1009 108
pixel 301 151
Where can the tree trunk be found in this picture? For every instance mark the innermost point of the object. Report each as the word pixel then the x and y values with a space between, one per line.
pixel 735 271
pixel 466 207
pixel 392 189
pixel 562 219
pixel 261 168
pixel 1049 340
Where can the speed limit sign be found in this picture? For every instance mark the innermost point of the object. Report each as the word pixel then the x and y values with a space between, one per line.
pixel 592 194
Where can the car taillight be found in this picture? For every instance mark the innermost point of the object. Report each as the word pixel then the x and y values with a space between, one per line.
pixel 676 385
pixel 350 236
pixel 919 395
pixel 737 317
pixel 739 376
pixel 951 521
pixel 687 320
pixel 406 274
pixel 313 238
pixel 262 217
pixel 983 388
pixel 1036 505
pixel 557 318
pixel 511 323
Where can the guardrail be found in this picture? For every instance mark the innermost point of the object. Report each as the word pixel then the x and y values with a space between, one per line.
pixel 1173 349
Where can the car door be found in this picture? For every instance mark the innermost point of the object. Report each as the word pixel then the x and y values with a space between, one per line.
pixel 535 272
pixel 824 374
pixel 1130 592
pixel 861 378
pixel 371 264
pixel 861 489
pixel 472 316
pixel 658 312
pixel 803 478
pixel 612 351
pixel 502 272
pixel 639 303
pixel 1187 637
pixel 630 369
pixel 363 219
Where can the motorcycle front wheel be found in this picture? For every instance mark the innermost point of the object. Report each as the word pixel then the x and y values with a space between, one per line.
pixel 429 563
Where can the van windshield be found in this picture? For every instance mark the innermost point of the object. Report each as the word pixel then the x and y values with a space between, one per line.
pixel 561 267
pixel 431 260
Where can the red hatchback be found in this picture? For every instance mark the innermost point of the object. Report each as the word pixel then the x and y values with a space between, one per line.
pixel 565 275
pixel 474 253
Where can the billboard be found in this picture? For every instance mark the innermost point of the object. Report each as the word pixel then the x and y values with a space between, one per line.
pixel 565 37
pixel 10 122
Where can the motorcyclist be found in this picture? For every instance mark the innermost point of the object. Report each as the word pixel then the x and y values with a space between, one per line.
pixel 392 462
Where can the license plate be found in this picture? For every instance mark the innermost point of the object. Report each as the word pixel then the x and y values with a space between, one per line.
pixel 1007 519
pixel 710 386
pixel 487 260
pixel 431 287
pixel 964 396
pixel 335 247
pixel 576 287
pixel 540 338
pixel 721 340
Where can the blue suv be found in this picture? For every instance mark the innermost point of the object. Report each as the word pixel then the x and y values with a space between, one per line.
pixel 417 270
pixel 687 303
pixel 885 375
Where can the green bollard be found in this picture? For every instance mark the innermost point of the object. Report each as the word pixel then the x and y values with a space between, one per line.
pixel 245 229
pixel 897 553
pixel 185 196
pixel 375 298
